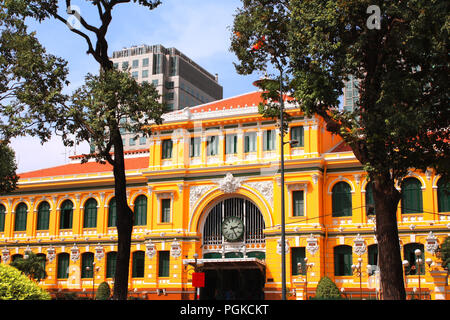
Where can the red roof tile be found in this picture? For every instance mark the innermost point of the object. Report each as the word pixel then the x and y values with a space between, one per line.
pixel 342 147
pixel 88 167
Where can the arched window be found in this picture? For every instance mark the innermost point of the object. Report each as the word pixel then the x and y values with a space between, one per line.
pixel 443 195
pixel 63 265
pixel 341 200
pixel 112 213
pixel 410 255
pixel 20 222
pixel 111 258
pixel 370 202
pixel 373 257
pixel 87 264
pixel 140 211
pixel 43 216
pixel 411 196
pixel 343 260
pixel 2 217
pixel 90 213
pixel 138 264
pixel 66 215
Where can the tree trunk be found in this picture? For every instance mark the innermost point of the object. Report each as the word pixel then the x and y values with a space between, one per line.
pixel 124 222
pixel 386 198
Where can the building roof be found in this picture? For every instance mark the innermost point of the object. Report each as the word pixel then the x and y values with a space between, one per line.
pixel 243 100
pixel 88 167
pixel 341 147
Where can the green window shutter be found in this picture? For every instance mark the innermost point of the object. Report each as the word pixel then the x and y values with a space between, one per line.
pixel 269 140
pixel 66 216
pixel 297 256
pixel 341 200
pixel 63 266
pixel 164 263
pixel 410 255
pixel 298 203
pixel 343 261
pixel 443 195
pixel 194 150
pixel 43 216
pixel 87 260
pixel 138 264
pixel 231 144
pixel 165 210
pixel 112 213
pixel 211 146
pixel 140 211
pixel 411 196
pixel 297 134
pixel 370 202
pixel 111 258
pixel 167 146
pixel 250 142
pixel 2 217
pixel 90 214
pixel 373 254
pixel 20 222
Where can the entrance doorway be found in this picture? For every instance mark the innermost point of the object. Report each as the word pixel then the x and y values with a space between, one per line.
pixel 233 284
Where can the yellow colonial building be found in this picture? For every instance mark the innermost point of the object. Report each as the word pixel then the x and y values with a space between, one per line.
pixel 206 194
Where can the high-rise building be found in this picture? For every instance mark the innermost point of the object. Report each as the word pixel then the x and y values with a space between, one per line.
pixel 351 94
pixel 180 81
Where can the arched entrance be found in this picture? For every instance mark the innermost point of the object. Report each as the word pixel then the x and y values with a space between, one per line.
pixel 233 250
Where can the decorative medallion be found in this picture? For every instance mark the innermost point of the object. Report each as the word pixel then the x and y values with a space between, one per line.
pixel 195 192
pixel 99 252
pixel 312 244
pixel 5 255
pixel 150 249
pixel 51 254
pixel 175 249
pixel 431 244
pixel 359 245
pixel 74 253
pixel 286 248
pixel 229 184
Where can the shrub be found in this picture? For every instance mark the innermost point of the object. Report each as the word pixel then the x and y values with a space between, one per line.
pixel 14 285
pixel 327 289
pixel 445 253
pixel 103 291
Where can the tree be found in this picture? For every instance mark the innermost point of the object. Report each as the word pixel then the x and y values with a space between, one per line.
pixel 103 291
pixel 96 112
pixel 28 77
pixel 31 265
pixel 14 285
pixel 327 289
pixel 402 117
pixel 445 254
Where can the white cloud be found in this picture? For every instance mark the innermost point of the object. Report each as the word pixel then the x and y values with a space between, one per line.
pixel 32 155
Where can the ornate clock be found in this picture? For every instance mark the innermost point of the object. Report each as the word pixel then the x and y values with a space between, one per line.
pixel 232 228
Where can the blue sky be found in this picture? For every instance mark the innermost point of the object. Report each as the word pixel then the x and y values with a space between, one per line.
pixel 198 28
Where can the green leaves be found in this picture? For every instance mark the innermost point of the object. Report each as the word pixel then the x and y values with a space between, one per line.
pixel 8 167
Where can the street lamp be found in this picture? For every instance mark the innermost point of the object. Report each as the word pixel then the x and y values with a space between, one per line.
pixel 303 268
pixel 357 269
pixel 195 266
pixel 94 270
pixel 419 262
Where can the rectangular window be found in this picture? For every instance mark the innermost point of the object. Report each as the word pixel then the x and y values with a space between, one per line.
pixel 144 73
pixel 230 144
pixel 298 203
pixel 298 257
pixel 170 95
pixel 212 146
pixel 250 142
pixel 132 141
pixel 145 62
pixel 167 149
pixel 124 65
pixel 163 263
pixel 194 150
pixel 165 210
pixel 170 85
pixel 116 65
pixel 269 140
pixel 155 83
pixel 135 63
pixel 135 75
pixel 297 134
pixel 142 140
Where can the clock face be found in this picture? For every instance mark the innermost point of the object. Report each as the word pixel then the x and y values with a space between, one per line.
pixel 232 228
